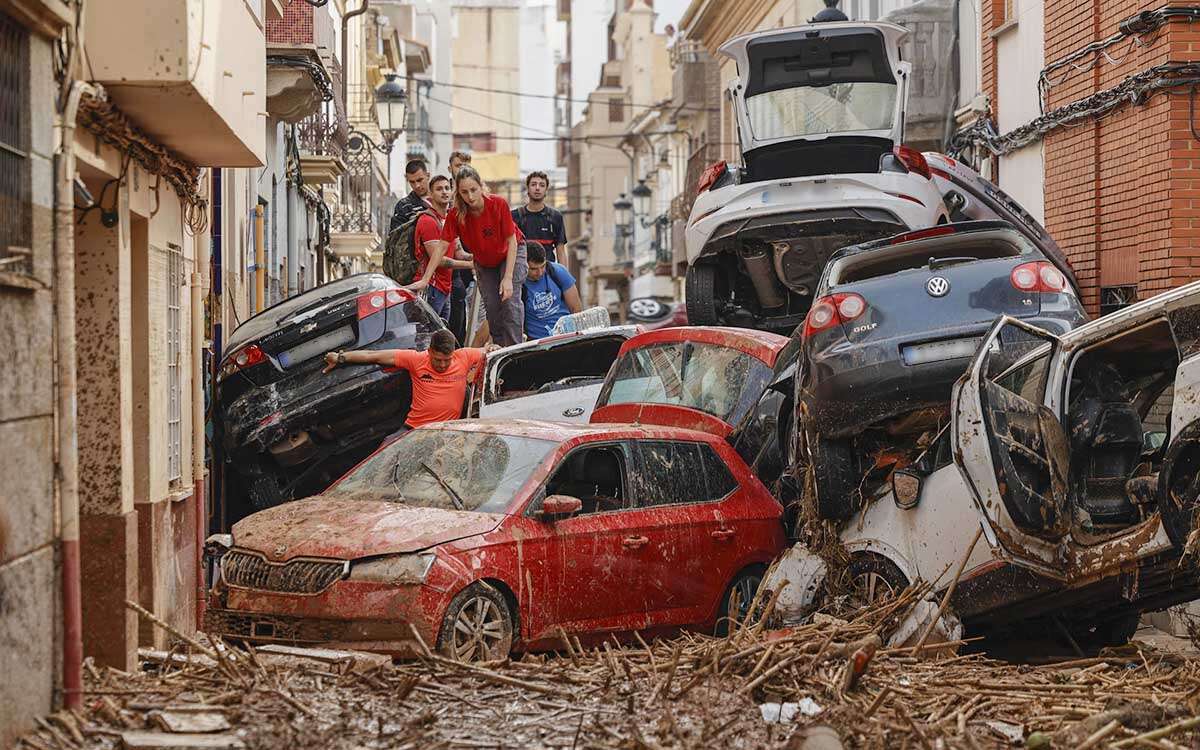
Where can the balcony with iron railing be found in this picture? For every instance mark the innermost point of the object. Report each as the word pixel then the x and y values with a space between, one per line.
pixel 321 139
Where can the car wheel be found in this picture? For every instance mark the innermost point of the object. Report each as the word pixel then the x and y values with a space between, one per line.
pixel 648 309
pixel 874 579
pixel 835 476
pixel 744 586
pixel 478 625
pixel 704 292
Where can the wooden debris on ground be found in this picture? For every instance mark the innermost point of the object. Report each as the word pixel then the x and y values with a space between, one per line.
pixel 692 691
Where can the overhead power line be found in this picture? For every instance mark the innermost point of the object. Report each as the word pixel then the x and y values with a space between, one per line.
pixel 529 95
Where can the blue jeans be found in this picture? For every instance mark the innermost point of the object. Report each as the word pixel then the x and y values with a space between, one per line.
pixel 439 301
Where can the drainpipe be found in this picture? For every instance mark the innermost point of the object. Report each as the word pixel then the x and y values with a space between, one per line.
pixel 67 446
pixel 345 65
pixel 199 289
pixel 260 261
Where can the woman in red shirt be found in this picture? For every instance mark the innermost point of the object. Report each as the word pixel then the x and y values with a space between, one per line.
pixel 484 224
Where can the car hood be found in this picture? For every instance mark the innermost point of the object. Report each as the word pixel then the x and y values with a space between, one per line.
pixel 347 529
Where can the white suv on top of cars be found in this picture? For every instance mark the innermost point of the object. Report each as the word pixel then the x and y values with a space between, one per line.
pixel 820 116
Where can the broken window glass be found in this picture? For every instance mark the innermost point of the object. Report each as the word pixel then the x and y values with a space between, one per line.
pixel 717 380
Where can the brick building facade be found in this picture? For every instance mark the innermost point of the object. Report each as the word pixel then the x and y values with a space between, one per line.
pixel 1121 192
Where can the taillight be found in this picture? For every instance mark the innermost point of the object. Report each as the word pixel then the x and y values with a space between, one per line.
pixel 914 160
pixel 710 176
pixel 1040 276
pixel 373 302
pixel 831 310
pixel 247 356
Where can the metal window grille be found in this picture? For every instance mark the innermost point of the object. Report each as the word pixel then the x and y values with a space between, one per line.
pixel 1113 298
pixel 15 220
pixel 174 335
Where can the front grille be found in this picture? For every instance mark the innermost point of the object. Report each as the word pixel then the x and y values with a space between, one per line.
pixel 252 571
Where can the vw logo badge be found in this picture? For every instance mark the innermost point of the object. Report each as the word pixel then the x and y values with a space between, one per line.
pixel 937 286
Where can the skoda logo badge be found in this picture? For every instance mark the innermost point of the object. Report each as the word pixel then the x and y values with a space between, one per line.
pixel 279 551
pixel 937 286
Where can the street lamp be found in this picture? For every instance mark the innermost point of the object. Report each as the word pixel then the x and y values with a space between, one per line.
pixel 641 201
pixel 624 212
pixel 391 100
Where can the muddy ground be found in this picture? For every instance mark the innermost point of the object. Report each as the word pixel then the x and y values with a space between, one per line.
pixel 688 692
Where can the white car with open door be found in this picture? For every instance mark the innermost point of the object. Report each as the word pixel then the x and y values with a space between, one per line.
pixel 820 116
pixel 556 378
pixel 1078 467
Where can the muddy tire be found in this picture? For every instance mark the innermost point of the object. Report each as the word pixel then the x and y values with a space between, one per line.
pixel 874 579
pixel 745 584
pixel 835 477
pixel 478 625
pixel 703 293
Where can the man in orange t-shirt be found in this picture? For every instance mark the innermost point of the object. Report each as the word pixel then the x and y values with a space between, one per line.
pixel 439 375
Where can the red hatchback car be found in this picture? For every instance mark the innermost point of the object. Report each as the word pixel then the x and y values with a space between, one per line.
pixel 485 537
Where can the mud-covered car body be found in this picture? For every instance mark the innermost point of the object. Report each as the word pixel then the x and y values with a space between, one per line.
pixel 1052 461
pixel 734 383
pixel 555 378
pixel 820 114
pixel 664 521
pixel 895 323
pixel 287 429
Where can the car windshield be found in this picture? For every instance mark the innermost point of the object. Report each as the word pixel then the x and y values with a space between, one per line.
pixel 819 110
pixel 717 380
pixel 448 469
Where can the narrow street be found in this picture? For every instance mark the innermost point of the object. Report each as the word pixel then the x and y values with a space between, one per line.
pixel 639 374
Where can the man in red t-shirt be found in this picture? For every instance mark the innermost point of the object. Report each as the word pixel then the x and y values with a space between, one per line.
pixel 439 375
pixel 485 225
pixel 435 268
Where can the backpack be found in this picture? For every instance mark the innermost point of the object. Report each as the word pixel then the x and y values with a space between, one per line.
pixel 399 255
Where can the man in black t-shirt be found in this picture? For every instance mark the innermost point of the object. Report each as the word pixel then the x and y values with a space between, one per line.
pixel 541 223
pixel 416 172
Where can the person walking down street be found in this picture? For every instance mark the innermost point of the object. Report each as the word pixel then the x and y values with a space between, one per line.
pixel 463 278
pixel 485 225
pixel 435 266
pixel 831 13
pixel 550 293
pixel 440 375
pixel 416 172
pixel 540 223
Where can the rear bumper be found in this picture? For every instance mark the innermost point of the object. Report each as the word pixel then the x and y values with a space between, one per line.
pixel 264 416
pixel 849 387
pixel 832 193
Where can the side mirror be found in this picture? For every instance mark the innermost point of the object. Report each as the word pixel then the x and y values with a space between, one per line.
pixel 906 488
pixel 1152 441
pixel 560 505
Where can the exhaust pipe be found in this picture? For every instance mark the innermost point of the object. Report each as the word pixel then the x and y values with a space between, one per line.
pixel 761 271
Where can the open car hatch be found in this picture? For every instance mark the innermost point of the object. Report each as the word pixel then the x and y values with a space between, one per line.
pixel 826 95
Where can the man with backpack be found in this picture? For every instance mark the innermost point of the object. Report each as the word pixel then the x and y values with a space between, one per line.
pixel 416 172
pixel 541 224
pixel 435 268
pixel 550 293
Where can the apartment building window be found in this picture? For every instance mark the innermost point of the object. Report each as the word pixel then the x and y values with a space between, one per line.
pixel 174 339
pixel 15 219
pixel 616 109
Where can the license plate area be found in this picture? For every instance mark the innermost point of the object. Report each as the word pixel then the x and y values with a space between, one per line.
pixel 941 351
pixel 335 339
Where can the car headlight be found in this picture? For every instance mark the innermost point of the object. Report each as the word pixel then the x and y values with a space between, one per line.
pixel 392 569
